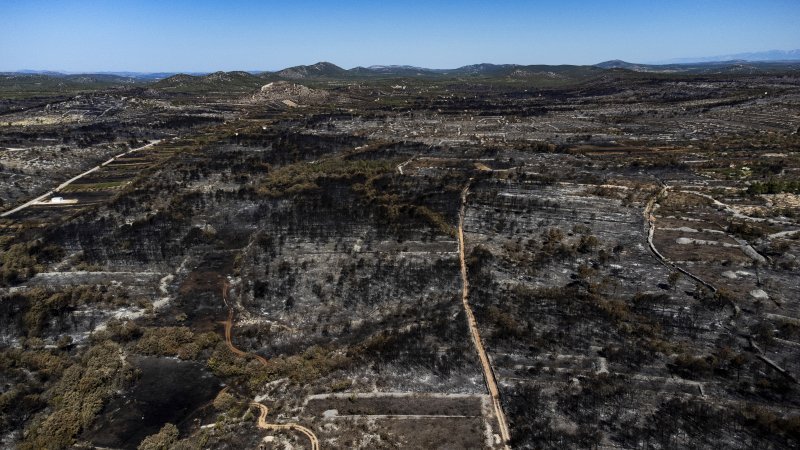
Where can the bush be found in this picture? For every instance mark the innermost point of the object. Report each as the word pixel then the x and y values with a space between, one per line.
pixel 175 341
pixel 163 440
pixel 587 244
pixel 312 364
pixel 687 366
pixel 44 304
pixel 22 260
pixel 774 186
pixel 506 326
pixel 224 401
pixel 78 397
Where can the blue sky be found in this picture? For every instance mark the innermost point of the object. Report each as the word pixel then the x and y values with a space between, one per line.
pixel 201 35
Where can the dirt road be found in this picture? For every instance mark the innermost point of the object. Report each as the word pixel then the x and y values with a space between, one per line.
pixel 262 423
pixel 262 418
pixel 650 218
pixel 488 373
pixel 229 327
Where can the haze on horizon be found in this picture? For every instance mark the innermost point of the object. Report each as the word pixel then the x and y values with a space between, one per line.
pixel 202 35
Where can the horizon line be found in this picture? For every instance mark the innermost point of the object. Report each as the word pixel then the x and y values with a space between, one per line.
pixel 677 61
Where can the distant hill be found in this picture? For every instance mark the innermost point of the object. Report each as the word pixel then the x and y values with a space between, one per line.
pixel 236 81
pixel 485 69
pixel 392 71
pixel 619 64
pixel 318 70
pixel 510 71
pixel 51 73
pixel 150 76
pixel 16 84
pixel 39 76
pixel 712 67
pixel 131 75
pixel 544 73
pixel 29 83
pixel 769 55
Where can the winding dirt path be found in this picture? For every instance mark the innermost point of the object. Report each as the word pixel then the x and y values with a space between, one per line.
pixel 229 328
pixel 262 418
pixel 488 373
pixel 262 423
pixel 650 218
pixel 651 228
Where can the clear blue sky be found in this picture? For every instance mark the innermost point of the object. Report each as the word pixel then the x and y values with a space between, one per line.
pixel 201 35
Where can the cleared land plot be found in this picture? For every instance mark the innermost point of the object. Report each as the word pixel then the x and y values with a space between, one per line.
pixel 403 405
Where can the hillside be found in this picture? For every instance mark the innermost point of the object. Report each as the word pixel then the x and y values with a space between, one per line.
pixel 13 84
pixel 714 67
pixel 215 82
pixel 318 70
pixel 30 84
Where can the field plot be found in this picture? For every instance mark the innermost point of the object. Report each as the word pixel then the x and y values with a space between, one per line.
pixel 408 420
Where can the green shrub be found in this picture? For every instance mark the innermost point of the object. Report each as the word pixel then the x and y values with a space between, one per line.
pixel 175 341
pixel 78 397
pixel 163 440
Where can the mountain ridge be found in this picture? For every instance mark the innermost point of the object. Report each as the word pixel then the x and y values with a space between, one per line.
pixel 763 56
pixel 324 69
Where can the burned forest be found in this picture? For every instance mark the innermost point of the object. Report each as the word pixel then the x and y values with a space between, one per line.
pixel 317 258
